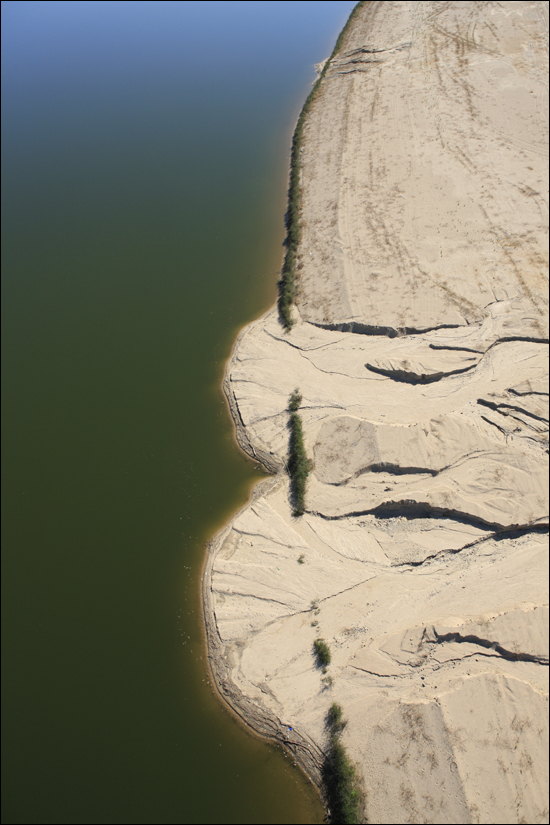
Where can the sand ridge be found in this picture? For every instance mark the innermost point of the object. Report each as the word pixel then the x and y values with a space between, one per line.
pixel 420 350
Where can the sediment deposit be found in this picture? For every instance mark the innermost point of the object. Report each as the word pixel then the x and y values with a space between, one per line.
pixel 420 350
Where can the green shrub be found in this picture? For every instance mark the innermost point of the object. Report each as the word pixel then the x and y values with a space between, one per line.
pixel 322 652
pixel 345 798
pixel 344 795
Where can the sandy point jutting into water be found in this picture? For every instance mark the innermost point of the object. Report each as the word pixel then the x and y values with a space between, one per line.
pixel 420 350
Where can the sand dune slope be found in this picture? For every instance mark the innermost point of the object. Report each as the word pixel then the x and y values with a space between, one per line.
pixel 420 350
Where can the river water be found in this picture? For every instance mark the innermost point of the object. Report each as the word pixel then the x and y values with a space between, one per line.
pixel 145 166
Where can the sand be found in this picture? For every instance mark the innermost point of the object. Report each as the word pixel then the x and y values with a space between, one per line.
pixel 420 350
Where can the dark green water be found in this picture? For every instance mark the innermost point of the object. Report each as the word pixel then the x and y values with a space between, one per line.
pixel 144 178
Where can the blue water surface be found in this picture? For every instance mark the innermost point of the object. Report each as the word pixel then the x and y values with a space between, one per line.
pixel 145 163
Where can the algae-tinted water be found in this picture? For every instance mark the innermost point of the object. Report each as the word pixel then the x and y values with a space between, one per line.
pixel 145 162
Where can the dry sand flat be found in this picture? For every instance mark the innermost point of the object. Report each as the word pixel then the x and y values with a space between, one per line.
pixel 420 350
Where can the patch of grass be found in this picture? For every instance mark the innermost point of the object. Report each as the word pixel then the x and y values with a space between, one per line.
pixel 287 281
pixel 340 777
pixel 322 652
pixel 298 462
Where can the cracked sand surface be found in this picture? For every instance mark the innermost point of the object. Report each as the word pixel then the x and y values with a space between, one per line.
pixel 420 350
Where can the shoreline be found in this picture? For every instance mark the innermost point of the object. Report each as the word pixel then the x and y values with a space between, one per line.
pixel 308 757
pixel 255 718
pixel 268 461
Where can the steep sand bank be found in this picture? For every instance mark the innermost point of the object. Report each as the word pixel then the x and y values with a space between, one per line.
pixel 420 349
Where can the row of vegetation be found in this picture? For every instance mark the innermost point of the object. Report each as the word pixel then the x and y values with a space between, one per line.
pixel 344 795
pixel 287 282
pixel 340 778
pixel 298 462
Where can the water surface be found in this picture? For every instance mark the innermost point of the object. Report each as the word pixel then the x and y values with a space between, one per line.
pixel 144 167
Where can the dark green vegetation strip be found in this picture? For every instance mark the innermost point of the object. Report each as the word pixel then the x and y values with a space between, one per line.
pixel 287 282
pixel 298 463
pixel 344 796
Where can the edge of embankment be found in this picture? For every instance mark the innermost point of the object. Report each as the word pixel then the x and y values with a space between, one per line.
pixel 306 754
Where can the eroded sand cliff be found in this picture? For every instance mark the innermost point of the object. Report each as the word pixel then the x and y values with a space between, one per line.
pixel 420 349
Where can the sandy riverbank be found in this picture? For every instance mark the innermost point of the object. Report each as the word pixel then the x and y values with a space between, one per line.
pixel 420 349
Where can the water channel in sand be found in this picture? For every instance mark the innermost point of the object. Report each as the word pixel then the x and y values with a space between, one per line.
pixel 145 164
